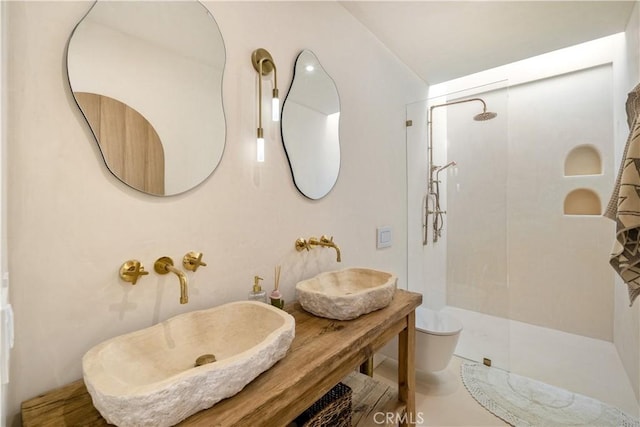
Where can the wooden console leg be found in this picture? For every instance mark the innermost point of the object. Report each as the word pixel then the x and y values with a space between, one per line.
pixel 406 369
pixel 367 367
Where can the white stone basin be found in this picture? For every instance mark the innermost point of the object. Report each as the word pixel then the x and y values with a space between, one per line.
pixel 148 378
pixel 346 294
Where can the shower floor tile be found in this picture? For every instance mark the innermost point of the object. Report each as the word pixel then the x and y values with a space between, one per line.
pixel 580 364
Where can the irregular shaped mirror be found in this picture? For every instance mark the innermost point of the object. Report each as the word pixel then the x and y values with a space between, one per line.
pixel 148 79
pixel 310 122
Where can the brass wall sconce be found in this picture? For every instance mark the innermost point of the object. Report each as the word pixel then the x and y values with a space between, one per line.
pixel 264 65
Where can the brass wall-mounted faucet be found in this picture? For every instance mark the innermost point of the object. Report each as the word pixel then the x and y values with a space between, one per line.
pixel 325 241
pixel 164 265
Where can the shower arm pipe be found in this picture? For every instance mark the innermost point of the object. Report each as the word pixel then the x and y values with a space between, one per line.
pixel 432 168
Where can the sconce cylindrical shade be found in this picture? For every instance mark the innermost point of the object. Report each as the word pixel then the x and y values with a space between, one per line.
pixel 260 150
pixel 275 108
pixel 260 146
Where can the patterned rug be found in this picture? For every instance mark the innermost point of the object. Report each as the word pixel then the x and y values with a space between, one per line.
pixel 521 401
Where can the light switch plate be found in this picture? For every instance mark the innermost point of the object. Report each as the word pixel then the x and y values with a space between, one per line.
pixel 385 237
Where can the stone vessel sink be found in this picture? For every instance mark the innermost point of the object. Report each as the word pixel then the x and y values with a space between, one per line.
pixel 148 377
pixel 346 294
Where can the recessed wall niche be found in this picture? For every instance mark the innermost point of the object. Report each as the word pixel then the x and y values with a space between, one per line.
pixel 583 160
pixel 582 201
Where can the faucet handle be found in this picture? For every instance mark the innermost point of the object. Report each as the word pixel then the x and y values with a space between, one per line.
pixel 301 244
pixel 192 260
pixel 131 270
pixel 325 239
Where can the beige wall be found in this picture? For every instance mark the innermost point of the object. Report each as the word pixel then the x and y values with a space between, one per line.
pixel 626 322
pixel 517 256
pixel 555 260
pixel 510 250
pixel 72 224
pixel 614 320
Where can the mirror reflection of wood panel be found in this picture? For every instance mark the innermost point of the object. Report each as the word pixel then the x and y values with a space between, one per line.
pixel 131 147
pixel 166 59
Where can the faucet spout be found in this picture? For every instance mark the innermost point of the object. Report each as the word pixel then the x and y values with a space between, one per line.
pixel 184 293
pixel 326 242
pixel 164 265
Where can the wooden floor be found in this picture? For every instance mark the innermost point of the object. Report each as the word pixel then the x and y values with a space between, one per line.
pixel 374 403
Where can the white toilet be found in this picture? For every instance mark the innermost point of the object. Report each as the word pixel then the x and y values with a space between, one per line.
pixel 437 335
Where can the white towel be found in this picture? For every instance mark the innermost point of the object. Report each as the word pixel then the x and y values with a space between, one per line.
pixel 624 205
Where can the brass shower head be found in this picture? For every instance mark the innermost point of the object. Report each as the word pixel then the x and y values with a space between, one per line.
pixel 484 116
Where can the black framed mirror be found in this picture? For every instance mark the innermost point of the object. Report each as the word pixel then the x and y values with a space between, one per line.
pixel 310 127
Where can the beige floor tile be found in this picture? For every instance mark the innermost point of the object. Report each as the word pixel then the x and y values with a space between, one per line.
pixel 441 398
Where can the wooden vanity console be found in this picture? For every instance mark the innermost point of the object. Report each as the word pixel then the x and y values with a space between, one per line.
pixel 323 352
